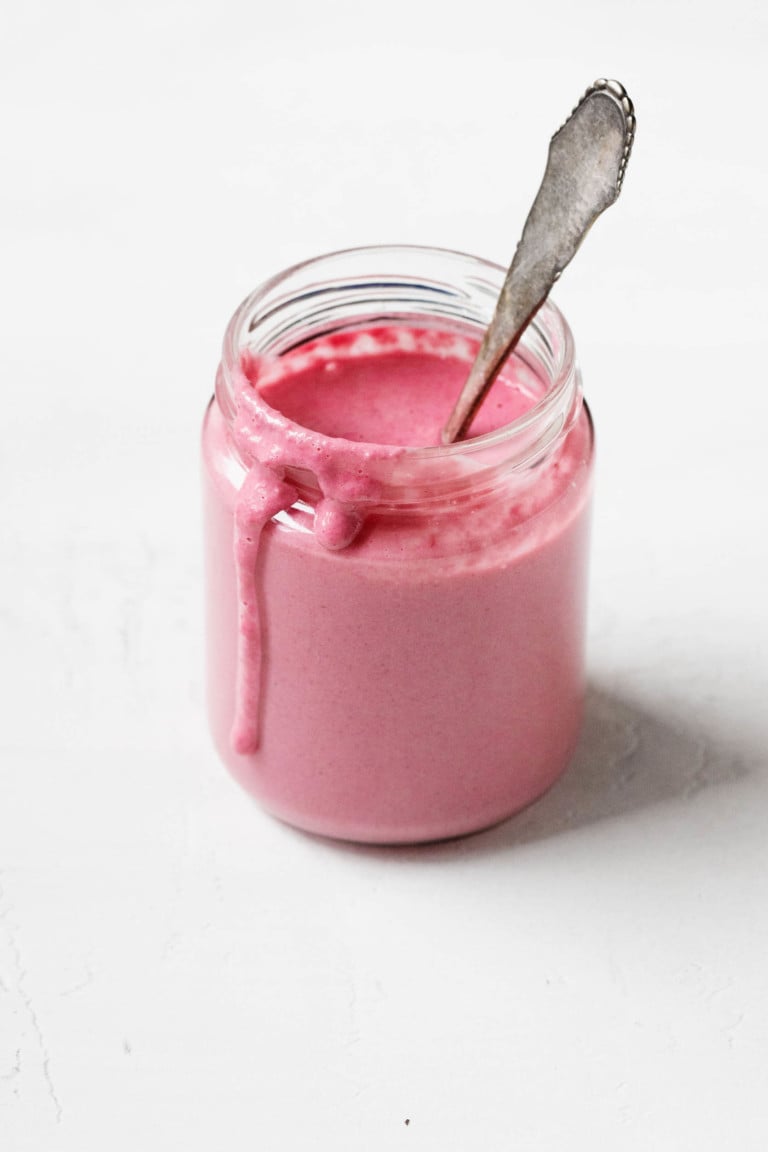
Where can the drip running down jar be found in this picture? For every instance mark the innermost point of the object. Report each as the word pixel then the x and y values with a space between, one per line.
pixel 395 627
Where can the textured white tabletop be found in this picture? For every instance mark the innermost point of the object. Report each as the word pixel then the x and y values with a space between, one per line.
pixel 176 969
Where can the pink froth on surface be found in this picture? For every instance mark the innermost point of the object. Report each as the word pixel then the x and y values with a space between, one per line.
pixel 389 386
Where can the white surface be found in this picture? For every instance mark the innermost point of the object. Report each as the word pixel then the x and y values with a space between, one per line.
pixel 178 971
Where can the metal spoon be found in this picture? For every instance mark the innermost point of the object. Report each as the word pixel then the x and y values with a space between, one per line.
pixel 585 168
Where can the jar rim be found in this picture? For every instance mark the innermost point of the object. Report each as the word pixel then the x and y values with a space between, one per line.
pixel 483 275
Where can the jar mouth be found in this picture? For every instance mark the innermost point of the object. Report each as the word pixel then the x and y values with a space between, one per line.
pixel 357 286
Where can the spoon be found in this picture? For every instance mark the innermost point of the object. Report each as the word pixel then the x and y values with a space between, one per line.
pixel 585 168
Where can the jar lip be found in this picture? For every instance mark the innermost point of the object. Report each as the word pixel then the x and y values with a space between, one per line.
pixel 564 375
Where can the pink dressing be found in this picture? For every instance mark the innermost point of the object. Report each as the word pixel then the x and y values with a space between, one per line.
pixel 331 407
pixel 390 676
pixel 388 385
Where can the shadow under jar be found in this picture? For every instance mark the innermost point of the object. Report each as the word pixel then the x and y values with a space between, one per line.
pixel 395 634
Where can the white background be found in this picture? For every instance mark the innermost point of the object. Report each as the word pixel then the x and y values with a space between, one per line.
pixel 176 969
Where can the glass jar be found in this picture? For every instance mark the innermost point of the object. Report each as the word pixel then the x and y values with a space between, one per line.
pixel 424 679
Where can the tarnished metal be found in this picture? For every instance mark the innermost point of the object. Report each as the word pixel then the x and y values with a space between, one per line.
pixel 585 169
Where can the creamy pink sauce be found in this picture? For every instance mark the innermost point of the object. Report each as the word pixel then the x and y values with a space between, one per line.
pixel 332 407
pixel 393 386
pixel 459 633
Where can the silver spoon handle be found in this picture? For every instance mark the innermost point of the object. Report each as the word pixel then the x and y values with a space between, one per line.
pixel 585 168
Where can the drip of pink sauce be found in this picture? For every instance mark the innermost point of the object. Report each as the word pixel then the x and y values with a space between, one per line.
pixel 334 408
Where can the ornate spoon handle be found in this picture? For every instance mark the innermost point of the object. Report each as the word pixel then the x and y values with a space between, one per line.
pixel 585 168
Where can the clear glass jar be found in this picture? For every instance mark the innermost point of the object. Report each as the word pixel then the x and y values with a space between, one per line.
pixel 427 679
